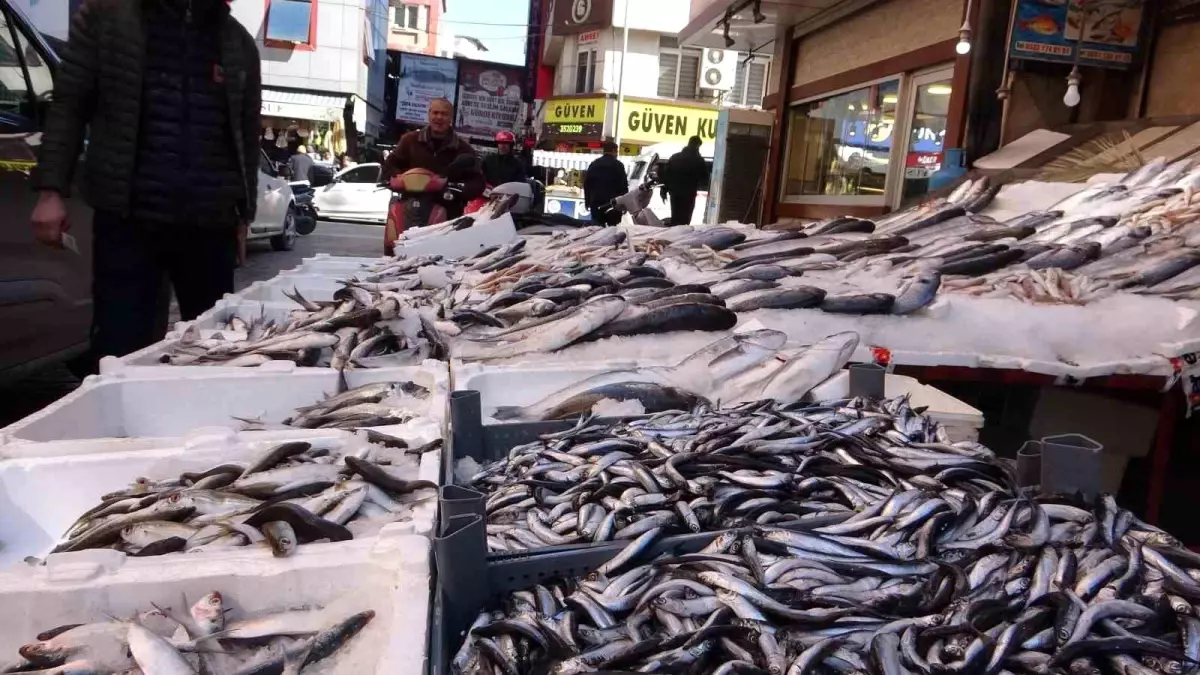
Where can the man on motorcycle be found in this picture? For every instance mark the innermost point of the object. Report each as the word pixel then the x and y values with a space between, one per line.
pixel 434 148
pixel 504 166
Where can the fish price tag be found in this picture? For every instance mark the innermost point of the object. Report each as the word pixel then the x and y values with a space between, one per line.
pixel 882 356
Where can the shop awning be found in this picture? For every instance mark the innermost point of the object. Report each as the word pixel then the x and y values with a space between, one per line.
pixel 751 33
pixel 303 105
pixel 570 160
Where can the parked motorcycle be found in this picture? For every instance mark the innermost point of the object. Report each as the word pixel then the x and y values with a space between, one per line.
pixel 306 212
pixel 420 197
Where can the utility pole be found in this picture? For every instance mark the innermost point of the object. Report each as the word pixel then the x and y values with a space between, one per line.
pixel 621 83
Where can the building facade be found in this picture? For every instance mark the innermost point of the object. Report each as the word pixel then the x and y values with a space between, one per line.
pixel 867 95
pixel 671 91
pixel 323 71
pixel 416 26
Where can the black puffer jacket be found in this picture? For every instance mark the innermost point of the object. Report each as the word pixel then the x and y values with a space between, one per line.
pixel 499 169
pixel 185 146
pixel 98 90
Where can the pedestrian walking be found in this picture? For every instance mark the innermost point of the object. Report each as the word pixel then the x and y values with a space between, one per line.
pixel 605 181
pixel 685 174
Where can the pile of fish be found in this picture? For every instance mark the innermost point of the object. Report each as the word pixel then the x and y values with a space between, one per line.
pixel 705 470
pixel 188 640
pixel 867 545
pixel 375 404
pixel 740 367
pixel 1140 233
pixel 541 294
pixel 372 321
pixel 291 494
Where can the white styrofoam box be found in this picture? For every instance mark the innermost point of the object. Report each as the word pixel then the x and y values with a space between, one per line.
pixel 313 287
pixel 170 403
pixel 41 495
pixel 457 243
pixel 961 421
pixel 323 263
pixel 519 386
pixel 389 575
pixel 232 305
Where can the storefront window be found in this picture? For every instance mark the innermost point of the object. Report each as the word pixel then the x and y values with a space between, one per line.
pixel 840 146
pixel 927 136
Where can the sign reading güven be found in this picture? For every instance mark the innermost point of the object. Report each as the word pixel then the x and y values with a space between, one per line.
pixel 575 111
pixel 657 123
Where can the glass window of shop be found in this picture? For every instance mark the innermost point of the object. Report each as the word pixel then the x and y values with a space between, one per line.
pixel 840 146
pixel 926 131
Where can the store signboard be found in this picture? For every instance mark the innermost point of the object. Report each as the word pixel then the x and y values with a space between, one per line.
pixel 300 111
pixel 574 110
pixel 1050 30
pixel 921 164
pixel 589 38
pixel 664 123
pixel 572 17
pixel 489 98
pixel 422 79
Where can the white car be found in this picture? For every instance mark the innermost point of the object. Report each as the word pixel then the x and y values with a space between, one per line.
pixel 658 206
pixel 354 194
pixel 276 216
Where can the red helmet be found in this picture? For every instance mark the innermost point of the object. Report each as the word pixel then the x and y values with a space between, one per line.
pixel 506 137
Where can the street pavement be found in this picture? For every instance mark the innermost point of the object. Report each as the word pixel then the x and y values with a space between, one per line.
pixel 22 397
pixel 334 238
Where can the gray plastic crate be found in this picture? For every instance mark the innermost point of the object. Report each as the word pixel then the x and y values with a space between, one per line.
pixel 468 584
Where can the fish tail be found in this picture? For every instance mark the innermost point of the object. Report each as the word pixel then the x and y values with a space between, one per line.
pixel 509 412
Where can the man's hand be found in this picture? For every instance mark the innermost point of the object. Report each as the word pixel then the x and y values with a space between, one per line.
pixel 49 219
pixel 242 228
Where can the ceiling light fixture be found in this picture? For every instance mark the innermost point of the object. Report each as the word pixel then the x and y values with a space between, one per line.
pixel 940 89
pixel 1071 98
pixel 964 34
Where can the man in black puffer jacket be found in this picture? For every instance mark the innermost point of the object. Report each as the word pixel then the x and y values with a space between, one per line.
pixel 168 92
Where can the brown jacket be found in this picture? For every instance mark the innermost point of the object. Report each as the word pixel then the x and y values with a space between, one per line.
pixel 416 150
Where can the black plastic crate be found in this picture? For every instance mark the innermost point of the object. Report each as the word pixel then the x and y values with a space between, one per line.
pixel 466 584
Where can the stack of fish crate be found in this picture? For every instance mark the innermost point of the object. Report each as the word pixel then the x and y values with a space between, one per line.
pixel 144 423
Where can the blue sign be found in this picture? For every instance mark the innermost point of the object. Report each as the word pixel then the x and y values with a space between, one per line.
pixel 1050 30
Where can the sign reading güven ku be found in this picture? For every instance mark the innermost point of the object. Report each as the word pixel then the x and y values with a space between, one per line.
pixel 668 123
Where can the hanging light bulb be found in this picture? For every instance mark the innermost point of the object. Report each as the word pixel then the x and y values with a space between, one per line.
pixel 1071 98
pixel 964 40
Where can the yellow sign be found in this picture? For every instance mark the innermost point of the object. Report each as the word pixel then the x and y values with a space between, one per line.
pixel 575 111
pixel 662 123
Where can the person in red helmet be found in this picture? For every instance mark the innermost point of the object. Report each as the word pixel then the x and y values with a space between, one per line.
pixel 504 166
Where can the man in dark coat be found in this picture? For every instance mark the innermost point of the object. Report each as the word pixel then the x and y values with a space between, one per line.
pixel 504 166
pixel 605 181
pixel 168 93
pixel 686 173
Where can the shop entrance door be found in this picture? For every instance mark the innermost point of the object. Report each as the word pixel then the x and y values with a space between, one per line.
pixel 926 108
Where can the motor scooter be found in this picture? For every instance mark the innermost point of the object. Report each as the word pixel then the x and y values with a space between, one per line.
pixel 421 197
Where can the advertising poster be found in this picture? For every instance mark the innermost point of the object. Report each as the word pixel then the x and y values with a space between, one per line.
pixel 422 79
pixel 489 99
pixel 1051 30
